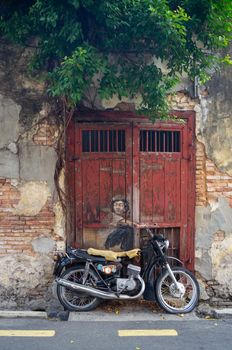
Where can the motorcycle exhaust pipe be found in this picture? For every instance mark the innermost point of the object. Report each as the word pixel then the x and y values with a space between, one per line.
pixel 80 288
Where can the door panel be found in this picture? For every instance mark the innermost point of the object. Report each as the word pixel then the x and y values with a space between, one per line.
pixel 158 185
pixel 146 191
pixel 91 191
pixel 105 187
pixel 160 189
pixel 104 159
pixel 172 190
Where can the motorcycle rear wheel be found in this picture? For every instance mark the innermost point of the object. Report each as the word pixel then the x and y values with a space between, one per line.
pixel 170 298
pixel 74 301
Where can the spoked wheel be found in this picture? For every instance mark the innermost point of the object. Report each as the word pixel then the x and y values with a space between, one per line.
pixel 177 300
pixel 74 301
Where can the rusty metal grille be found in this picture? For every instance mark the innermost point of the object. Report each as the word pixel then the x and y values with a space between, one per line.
pixel 171 233
pixel 103 141
pixel 160 141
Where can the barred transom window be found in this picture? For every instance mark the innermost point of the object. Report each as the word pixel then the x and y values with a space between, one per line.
pixel 103 141
pixel 160 141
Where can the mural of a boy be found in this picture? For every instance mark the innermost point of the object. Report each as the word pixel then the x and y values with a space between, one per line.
pixel 122 236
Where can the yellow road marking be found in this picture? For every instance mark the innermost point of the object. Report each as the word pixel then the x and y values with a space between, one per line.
pixel 27 333
pixel 147 332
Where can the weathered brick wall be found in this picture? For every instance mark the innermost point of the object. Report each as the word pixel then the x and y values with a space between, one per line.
pixel 201 186
pixel 17 232
pixel 31 229
pixel 32 223
pixel 217 183
pixel 211 183
pixel 46 133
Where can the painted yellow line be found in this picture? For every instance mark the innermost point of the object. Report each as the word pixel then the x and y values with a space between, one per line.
pixel 27 333
pixel 147 333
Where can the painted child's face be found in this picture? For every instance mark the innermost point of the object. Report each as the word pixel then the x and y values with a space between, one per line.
pixel 119 207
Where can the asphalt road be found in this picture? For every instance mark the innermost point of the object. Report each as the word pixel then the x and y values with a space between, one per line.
pixel 101 335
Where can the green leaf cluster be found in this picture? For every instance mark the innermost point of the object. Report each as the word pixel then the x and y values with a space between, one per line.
pixel 114 44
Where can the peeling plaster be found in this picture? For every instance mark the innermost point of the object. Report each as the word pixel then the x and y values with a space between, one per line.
pixel 214 242
pixel 34 196
pixel 114 101
pixel 9 120
pixel 59 227
pixel 13 147
pixel 21 276
pixel 37 163
pixel 9 164
pixel 214 126
pixel 43 245
pixel 14 182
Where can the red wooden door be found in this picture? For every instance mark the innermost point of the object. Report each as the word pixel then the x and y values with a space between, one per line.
pixel 163 167
pixel 151 167
pixel 103 175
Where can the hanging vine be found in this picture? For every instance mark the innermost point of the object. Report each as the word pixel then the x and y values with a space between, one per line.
pixel 113 43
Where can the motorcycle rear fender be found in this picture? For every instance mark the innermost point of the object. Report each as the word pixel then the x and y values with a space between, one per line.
pixel 60 264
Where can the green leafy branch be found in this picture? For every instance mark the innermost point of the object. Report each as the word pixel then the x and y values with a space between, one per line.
pixel 112 44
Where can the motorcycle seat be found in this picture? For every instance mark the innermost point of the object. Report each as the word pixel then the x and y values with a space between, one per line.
pixel 113 256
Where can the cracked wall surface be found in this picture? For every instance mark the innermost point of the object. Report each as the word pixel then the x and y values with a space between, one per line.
pixel 213 225
pixel 215 122
pixel 31 222
pixel 214 212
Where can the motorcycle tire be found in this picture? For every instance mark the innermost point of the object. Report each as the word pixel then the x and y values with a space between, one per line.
pixel 173 300
pixel 74 301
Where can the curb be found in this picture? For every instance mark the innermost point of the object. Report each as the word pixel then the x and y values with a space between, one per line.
pixel 223 313
pixel 20 314
pixel 125 314
pixel 211 312
pixel 58 315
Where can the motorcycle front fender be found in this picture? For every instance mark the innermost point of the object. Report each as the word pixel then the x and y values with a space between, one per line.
pixel 176 260
pixel 149 293
pixel 150 278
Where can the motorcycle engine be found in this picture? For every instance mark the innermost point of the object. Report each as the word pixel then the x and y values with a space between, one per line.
pixel 125 284
pixel 128 284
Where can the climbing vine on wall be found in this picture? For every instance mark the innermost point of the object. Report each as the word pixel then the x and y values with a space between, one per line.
pixel 111 44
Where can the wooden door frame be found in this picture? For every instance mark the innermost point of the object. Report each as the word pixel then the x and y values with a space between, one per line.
pixel 187 238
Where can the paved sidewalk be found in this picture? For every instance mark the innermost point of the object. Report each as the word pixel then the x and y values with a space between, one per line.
pixel 137 310
pixel 125 311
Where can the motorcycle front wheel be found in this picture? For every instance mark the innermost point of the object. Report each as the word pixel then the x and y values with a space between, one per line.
pixel 177 300
pixel 74 301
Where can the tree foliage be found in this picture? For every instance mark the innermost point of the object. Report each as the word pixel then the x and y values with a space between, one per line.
pixel 113 43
